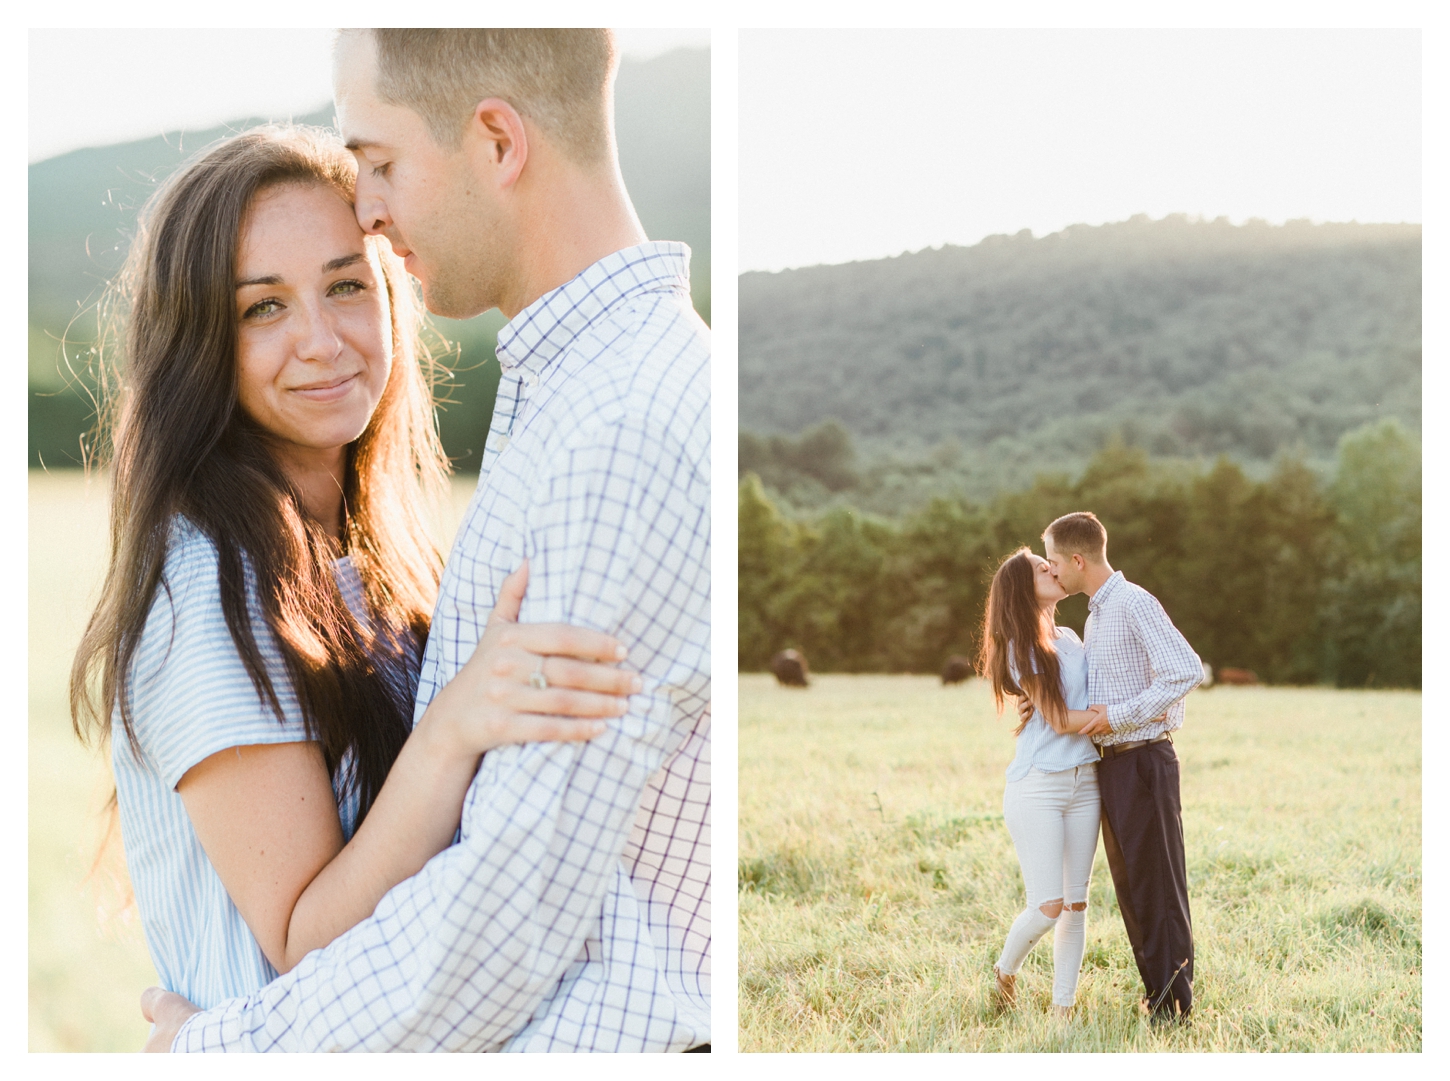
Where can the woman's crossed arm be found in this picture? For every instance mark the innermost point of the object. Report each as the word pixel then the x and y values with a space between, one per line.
pixel 266 815
pixel 1089 722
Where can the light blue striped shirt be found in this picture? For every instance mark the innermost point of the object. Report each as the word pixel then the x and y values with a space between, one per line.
pixel 190 698
pixel 1039 744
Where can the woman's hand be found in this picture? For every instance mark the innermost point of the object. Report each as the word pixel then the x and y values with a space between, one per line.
pixel 532 682
pixel 1098 724
pixel 1092 721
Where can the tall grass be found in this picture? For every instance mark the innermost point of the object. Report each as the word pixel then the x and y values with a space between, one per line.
pixel 877 879
pixel 88 961
pixel 87 956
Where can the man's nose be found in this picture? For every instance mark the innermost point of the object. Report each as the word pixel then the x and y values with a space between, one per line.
pixel 372 212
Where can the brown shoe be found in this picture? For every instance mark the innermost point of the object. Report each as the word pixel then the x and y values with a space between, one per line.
pixel 1006 990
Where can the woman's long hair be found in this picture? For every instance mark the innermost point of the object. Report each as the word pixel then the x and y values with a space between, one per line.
pixel 1019 633
pixel 181 445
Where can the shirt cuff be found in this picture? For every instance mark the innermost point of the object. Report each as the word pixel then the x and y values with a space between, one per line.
pixel 1116 719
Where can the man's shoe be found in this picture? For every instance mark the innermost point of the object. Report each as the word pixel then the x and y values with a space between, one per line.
pixel 1169 1017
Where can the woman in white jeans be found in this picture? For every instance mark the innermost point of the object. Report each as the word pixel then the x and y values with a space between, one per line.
pixel 1051 802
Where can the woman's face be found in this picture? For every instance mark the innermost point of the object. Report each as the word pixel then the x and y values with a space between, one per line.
pixel 1044 583
pixel 314 338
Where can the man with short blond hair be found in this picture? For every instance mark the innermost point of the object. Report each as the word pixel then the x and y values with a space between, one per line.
pixel 558 79
pixel 1080 532
pixel 1141 668
pixel 574 912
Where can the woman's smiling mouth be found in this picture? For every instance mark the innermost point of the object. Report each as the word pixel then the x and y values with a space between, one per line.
pixel 327 390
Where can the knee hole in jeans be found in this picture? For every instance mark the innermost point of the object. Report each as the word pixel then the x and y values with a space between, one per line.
pixel 1077 906
pixel 1051 909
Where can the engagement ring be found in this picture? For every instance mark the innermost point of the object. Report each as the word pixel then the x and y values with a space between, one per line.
pixel 538 679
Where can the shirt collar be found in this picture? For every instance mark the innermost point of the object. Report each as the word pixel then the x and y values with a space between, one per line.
pixel 1105 590
pixel 548 326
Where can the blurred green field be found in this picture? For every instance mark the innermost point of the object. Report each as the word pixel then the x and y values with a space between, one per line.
pixel 87 957
pixel 877 879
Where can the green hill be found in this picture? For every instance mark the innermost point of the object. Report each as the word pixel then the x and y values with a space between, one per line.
pixel 971 370
pixel 83 208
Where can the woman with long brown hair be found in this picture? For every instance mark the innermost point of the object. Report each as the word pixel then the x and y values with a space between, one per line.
pixel 256 647
pixel 1051 800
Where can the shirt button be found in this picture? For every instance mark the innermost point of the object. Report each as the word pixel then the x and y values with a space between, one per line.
pixel 502 442
pixel 532 379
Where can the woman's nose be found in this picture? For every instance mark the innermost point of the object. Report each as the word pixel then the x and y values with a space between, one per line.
pixel 318 337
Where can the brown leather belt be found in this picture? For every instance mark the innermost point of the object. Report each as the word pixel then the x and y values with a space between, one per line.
pixel 1131 745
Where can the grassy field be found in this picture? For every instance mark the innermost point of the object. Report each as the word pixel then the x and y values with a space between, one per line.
pixel 877 879
pixel 88 961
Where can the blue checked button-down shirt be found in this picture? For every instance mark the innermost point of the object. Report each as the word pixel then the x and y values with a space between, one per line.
pixel 574 912
pixel 1139 665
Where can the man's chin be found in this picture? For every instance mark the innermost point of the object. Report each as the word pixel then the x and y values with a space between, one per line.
pixel 447 304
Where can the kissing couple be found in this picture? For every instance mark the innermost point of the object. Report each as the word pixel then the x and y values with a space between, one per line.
pixel 1093 745
pixel 369 801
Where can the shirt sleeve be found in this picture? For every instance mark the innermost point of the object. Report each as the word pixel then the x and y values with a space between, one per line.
pixel 1012 664
pixel 1174 668
pixel 459 956
pixel 191 695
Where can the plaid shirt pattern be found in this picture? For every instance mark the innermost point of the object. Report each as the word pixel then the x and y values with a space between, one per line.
pixel 574 911
pixel 1139 665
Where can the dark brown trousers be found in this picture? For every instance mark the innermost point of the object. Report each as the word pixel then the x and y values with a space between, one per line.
pixel 1143 837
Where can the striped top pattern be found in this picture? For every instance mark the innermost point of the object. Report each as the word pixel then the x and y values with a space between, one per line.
pixel 1039 744
pixel 191 697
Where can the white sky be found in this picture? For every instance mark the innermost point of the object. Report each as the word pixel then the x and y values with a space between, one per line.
pixel 862 144
pixel 95 87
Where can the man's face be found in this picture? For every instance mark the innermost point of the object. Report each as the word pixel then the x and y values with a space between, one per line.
pixel 425 198
pixel 1067 569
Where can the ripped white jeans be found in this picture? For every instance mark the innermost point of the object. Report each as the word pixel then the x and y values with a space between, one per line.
pixel 1053 819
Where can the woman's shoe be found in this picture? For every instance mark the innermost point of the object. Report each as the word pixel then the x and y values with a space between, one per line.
pixel 1006 989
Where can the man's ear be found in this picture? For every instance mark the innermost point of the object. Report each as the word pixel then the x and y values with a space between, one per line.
pixel 1079 561
pixel 498 141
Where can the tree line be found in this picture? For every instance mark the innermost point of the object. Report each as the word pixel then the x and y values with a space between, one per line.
pixel 1299 579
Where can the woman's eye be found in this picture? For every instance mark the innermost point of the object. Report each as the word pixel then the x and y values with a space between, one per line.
pixel 262 308
pixel 345 288
pixel 382 170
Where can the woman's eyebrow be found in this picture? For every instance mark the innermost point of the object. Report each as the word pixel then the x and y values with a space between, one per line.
pixel 327 268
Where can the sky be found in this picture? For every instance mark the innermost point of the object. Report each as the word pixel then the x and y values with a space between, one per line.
pixel 864 144
pixel 96 87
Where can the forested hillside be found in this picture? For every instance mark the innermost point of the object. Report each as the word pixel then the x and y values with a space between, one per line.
pixel 83 209
pixel 971 370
